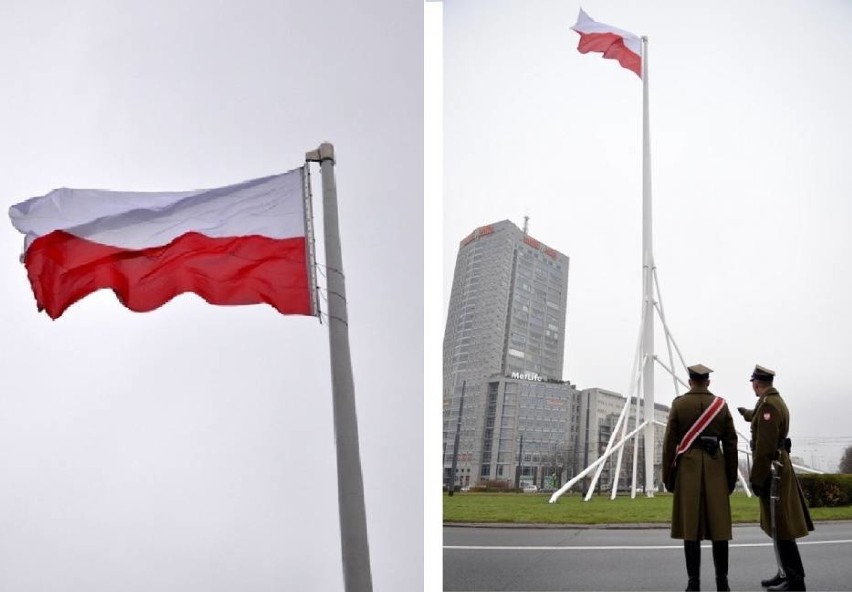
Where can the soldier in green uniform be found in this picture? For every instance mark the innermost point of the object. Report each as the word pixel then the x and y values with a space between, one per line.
pixel 770 424
pixel 705 476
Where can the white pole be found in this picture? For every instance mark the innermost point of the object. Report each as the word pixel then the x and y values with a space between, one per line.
pixel 631 396
pixel 631 392
pixel 350 486
pixel 665 330
pixel 637 414
pixel 612 438
pixel 557 494
pixel 647 282
pixel 671 371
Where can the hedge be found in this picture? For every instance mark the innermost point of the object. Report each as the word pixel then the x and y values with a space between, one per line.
pixel 830 490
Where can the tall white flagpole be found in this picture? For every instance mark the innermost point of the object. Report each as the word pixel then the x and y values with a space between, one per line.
pixel 350 485
pixel 647 283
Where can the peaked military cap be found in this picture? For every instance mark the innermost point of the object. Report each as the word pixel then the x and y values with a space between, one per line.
pixel 699 372
pixel 762 374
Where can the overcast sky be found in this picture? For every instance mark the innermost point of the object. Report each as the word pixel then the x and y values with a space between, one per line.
pixel 750 127
pixel 192 448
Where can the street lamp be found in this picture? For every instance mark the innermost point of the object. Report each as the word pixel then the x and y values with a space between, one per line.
pixel 520 464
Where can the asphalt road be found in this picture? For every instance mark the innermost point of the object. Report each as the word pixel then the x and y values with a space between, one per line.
pixel 534 558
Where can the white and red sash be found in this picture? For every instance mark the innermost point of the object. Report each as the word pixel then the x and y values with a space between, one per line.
pixel 700 424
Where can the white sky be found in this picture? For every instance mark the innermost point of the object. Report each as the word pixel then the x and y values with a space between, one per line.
pixel 750 125
pixel 192 448
pixel 434 311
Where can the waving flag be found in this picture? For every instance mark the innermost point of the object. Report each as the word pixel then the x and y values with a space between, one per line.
pixel 613 43
pixel 241 244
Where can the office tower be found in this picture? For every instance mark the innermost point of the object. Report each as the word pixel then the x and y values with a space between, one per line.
pixel 503 352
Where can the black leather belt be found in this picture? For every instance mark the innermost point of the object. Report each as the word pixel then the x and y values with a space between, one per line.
pixel 710 444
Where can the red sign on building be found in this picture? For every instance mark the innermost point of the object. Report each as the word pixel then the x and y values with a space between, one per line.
pixel 532 242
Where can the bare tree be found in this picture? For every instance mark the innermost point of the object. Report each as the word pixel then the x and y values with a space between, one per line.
pixel 846 462
pixel 555 462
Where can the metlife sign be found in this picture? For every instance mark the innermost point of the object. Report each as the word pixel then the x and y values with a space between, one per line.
pixel 528 376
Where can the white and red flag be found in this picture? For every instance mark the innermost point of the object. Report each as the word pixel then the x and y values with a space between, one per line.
pixel 615 44
pixel 240 244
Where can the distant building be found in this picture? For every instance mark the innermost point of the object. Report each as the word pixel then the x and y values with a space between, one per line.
pixel 598 414
pixel 529 429
pixel 504 346
pixel 506 318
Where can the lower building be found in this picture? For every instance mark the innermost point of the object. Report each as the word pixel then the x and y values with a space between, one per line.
pixel 598 413
pixel 526 436
pixel 522 429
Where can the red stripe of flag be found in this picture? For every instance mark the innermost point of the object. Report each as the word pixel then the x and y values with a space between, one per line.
pixel 64 268
pixel 612 47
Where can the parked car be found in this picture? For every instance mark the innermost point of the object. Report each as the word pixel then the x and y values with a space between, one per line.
pixel 530 488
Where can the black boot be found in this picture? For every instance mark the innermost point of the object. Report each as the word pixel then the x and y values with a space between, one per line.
pixel 720 563
pixel 773 581
pixel 789 584
pixel 793 569
pixel 692 552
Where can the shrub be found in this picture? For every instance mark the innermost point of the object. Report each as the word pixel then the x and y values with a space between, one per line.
pixel 494 486
pixel 828 491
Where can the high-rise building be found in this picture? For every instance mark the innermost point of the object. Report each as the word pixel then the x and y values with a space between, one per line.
pixel 503 354
pixel 504 344
pixel 508 299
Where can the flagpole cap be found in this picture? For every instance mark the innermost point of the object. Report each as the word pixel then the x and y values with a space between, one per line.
pixel 323 153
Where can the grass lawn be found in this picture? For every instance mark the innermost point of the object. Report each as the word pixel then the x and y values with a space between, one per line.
pixel 533 508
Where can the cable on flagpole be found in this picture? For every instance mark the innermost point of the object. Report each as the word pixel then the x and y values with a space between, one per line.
pixel 323 269
pixel 308 209
pixel 328 317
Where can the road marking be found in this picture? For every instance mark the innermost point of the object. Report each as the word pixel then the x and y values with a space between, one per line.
pixel 623 547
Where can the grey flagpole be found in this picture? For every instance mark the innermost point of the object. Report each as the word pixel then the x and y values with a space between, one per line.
pixel 350 485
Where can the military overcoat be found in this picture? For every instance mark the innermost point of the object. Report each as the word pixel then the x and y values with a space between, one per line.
pixel 701 508
pixel 770 425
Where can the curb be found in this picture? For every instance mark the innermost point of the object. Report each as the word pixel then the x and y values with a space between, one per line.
pixel 625 526
pixel 638 526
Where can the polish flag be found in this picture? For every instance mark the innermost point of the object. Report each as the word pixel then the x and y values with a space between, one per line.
pixel 613 43
pixel 241 244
